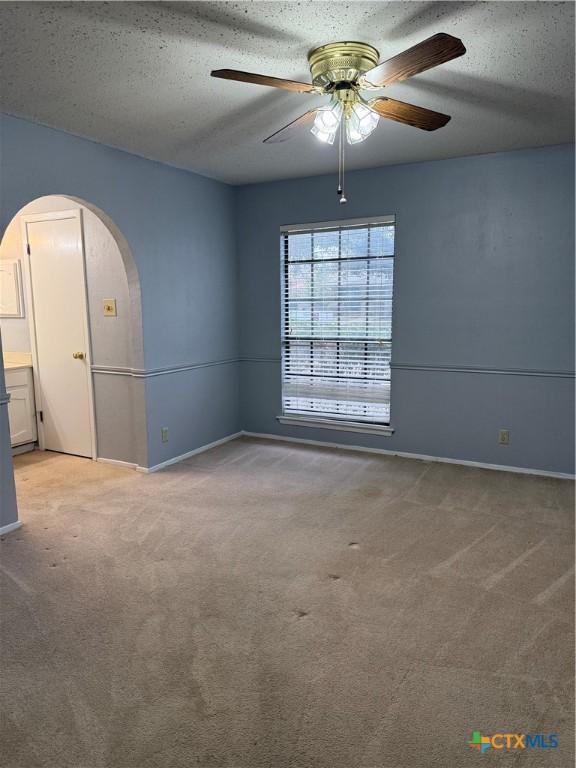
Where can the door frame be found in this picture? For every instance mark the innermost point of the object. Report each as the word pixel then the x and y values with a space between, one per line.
pixel 30 218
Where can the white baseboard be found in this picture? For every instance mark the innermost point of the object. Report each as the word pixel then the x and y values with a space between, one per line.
pixel 326 444
pixel 187 455
pixel 10 527
pixel 26 448
pixel 405 455
pixel 117 463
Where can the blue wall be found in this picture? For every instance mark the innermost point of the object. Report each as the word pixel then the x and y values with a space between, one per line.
pixel 483 320
pixel 180 227
pixel 483 306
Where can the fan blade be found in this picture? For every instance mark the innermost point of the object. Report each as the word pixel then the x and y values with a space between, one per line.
pixel 409 114
pixel 275 82
pixel 437 49
pixel 293 128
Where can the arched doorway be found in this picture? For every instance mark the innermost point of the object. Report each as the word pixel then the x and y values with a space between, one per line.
pixel 117 359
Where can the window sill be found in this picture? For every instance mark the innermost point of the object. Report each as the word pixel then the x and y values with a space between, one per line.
pixel 339 426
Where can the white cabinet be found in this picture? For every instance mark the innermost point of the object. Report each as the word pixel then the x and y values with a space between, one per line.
pixel 21 408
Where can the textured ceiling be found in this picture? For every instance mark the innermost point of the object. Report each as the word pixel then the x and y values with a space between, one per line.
pixel 136 76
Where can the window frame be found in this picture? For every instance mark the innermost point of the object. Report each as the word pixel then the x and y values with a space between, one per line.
pixel 323 421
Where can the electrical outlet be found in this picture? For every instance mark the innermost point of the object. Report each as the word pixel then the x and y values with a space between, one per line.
pixel 503 436
pixel 164 432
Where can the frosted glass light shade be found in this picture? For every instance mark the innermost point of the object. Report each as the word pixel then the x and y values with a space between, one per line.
pixel 326 122
pixel 361 123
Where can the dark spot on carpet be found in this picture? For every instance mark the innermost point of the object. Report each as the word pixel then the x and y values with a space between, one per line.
pixel 354 545
pixel 301 614
pixel 369 491
pixel 333 576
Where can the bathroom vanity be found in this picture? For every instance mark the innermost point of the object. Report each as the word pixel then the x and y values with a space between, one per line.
pixel 21 407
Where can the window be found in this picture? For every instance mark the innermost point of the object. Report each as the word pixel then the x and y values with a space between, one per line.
pixel 337 321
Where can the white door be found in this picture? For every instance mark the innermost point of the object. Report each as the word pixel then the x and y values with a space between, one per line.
pixel 58 297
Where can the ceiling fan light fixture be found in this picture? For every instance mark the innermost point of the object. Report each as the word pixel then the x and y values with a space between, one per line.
pixel 327 122
pixel 341 71
pixel 361 122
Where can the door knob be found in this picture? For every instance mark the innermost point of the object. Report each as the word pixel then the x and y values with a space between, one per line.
pixel 78 355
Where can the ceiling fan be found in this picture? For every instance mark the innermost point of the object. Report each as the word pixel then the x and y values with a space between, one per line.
pixel 342 71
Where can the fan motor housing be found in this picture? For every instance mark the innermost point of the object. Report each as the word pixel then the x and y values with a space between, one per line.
pixel 341 62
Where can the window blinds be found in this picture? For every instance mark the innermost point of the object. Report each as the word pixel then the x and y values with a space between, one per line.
pixel 337 321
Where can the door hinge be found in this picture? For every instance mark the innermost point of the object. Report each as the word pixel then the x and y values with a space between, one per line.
pixel 41 414
pixel 28 248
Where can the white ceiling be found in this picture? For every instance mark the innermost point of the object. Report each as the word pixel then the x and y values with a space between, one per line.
pixel 136 76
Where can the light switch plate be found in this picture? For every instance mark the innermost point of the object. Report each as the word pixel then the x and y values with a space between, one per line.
pixel 109 307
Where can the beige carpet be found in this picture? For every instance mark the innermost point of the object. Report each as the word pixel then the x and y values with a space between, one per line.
pixel 265 605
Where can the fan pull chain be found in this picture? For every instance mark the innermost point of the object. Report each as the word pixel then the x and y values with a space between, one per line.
pixel 341 146
pixel 339 191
